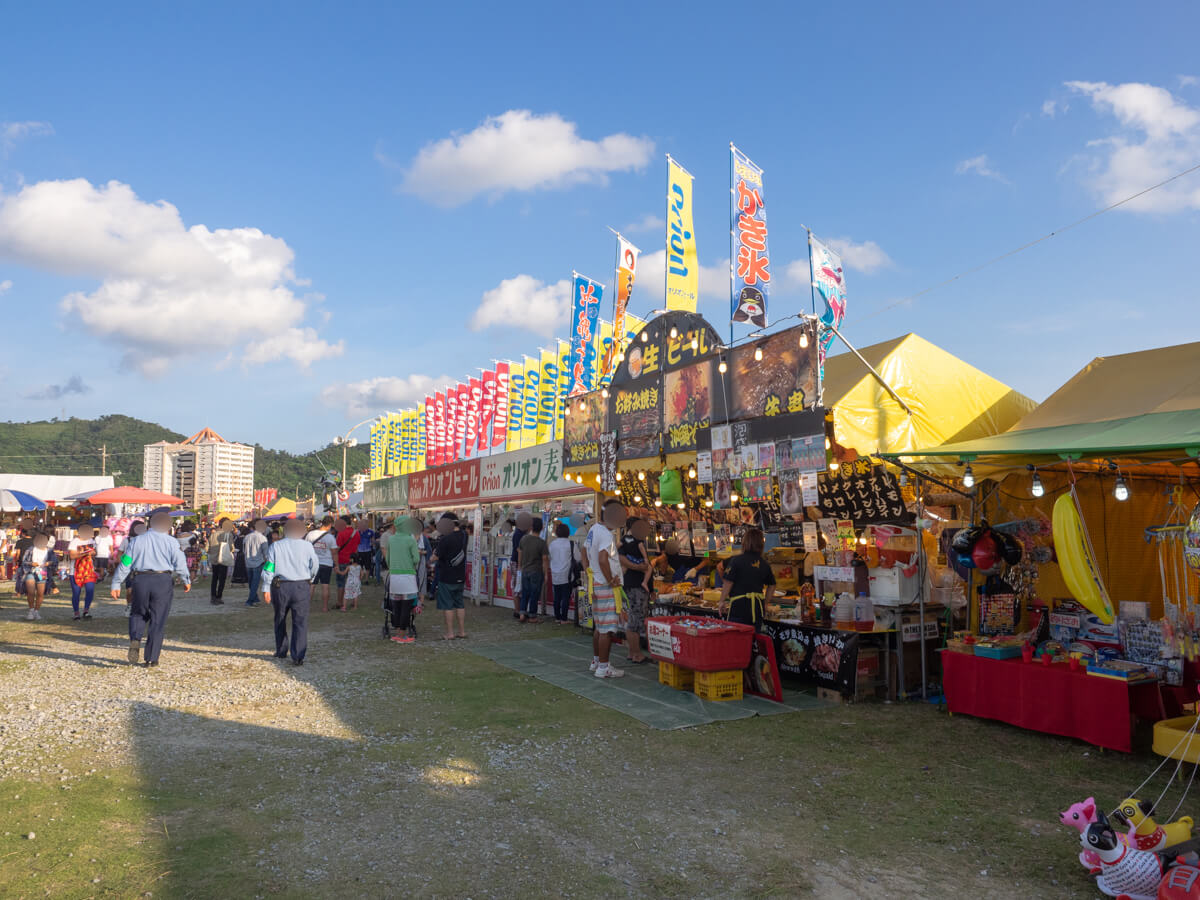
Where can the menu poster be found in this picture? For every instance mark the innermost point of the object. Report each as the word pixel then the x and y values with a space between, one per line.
pixel 748 457
pixel 637 417
pixel 721 462
pixel 817 655
pixel 808 453
pixel 791 500
pixel 704 467
pixel 722 493
pixel 741 435
pixel 829 529
pixel 810 537
pixel 845 534
pixel 863 493
pixel 783 455
pixel 756 485
pixel 808 487
pixel 583 429
pixel 762 676
pixel 791 534
pixel 766 456
pixel 722 437
pixel 608 461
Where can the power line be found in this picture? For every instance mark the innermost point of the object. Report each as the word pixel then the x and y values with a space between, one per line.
pixel 1033 243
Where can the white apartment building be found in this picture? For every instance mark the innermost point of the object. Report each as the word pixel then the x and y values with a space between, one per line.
pixel 204 470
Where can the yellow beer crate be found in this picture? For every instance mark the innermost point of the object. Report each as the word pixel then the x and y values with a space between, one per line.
pixel 726 685
pixel 675 676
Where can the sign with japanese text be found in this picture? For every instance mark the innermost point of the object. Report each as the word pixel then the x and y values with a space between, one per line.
pixel 749 261
pixel 659 642
pixel 791 534
pixel 688 405
pixel 449 485
pixel 817 655
pixel 530 472
pixel 585 313
pixel 627 257
pixel 683 264
pixel 608 461
pixel 386 493
pixel 861 493
pixel 500 409
pixel 547 409
pixel 529 412
pixel 516 405
pixel 845 534
pixel 637 417
pixel 829 279
pixel 810 537
pixel 583 425
pixel 487 410
pixel 756 485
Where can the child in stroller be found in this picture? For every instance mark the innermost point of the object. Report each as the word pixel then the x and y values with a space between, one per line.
pixel 401 597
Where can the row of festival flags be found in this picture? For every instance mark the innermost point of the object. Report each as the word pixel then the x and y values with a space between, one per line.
pixel 522 403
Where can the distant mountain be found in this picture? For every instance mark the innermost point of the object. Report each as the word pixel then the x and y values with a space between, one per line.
pixel 82 446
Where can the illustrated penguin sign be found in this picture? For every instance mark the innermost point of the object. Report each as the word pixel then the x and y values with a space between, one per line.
pixel 751 308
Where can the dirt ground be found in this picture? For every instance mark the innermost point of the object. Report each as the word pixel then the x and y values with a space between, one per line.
pixel 384 770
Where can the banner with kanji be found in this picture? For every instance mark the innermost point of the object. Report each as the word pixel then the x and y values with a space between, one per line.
pixel 749 258
pixel 627 257
pixel 500 409
pixel 683 264
pixel 585 313
pixel 830 282
pixel 547 391
pixel 516 409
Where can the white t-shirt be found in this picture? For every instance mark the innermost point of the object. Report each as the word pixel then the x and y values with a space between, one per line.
pixel 76 543
pixel 104 547
pixel 562 551
pixel 325 544
pixel 185 539
pixel 600 538
pixel 39 556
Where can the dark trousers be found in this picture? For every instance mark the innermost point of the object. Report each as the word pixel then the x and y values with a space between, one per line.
pixel 149 605
pixel 400 609
pixel 291 597
pixel 216 587
pixel 253 575
pixel 531 592
pixel 88 590
pixel 562 601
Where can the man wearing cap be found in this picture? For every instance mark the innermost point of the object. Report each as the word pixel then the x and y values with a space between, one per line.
pixel 289 569
pixel 155 558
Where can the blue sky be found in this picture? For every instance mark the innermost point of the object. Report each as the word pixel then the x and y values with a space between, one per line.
pixel 278 219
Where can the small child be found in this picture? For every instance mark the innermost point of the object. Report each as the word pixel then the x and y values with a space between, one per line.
pixel 354 583
pixel 192 555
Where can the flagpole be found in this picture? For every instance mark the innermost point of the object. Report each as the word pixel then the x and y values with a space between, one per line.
pixel 812 275
pixel 732 255
pixel 667 237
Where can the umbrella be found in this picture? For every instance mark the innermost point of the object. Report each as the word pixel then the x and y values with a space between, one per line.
pixel 180 513
pixel 14 500
pixel 133 495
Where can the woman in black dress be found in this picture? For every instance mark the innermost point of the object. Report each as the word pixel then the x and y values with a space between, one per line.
pixel 748 582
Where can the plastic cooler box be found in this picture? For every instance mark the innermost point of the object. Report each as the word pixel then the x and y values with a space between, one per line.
pixel 703 645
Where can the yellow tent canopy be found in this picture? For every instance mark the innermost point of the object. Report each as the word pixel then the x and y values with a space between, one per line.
pixel 282 507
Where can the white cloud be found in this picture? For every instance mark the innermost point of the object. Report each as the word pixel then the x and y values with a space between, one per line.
pixel 525 302
pixel 5 285
pixel 518 151
pixel 865 257
pixel 165 289
pixel 382 394
pixel 1159 136
pixel 1188 80
pixel 648 222
pixel 1052 108
pixel 11 132
pixel 980 165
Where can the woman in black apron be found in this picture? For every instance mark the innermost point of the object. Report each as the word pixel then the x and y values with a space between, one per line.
pixel 748 582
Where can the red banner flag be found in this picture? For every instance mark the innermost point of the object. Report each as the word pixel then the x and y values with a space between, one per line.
pixel 487 409
pixel 474 417
pixel 460 433
pixel 439 426
pixel 430 431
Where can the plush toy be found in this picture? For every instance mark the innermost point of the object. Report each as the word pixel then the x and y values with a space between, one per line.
pixel 1145 833
pixel 1080 816
pixel 1124 871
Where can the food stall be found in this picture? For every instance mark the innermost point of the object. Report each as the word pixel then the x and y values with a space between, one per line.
pixel 1078 553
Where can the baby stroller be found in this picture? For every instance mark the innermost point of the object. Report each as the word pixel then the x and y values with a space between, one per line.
pixel 400 613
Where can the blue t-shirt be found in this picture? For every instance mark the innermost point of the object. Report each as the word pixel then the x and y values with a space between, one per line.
pixel 364 540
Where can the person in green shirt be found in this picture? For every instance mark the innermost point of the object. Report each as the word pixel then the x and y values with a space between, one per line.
pixel 403 556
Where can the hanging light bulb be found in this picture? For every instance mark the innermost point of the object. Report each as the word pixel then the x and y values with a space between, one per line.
pixel 620 476
pixel 1037 488
pixel 691 471
pixel 862 538
pixel 834 466
pixel 695 343
pixel 637 498
pixel 733 497
pixel 1120 489
pixel 828 445
pixel 674 332
pixel 758 354
pixel 604 393
pixel 679 506
pixel 708 504
pixel 803 339
pixel 658 503
pixel 968 477
pixel 721 367
pixel 645 337
pixel 641 476
pixel 597 478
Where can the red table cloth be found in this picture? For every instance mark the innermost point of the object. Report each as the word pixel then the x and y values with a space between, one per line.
pixel 1050 699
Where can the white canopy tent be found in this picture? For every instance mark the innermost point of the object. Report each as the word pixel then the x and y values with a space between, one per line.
pixel 56 489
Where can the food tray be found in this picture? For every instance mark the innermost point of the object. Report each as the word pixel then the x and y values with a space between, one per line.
pixel 957 646
pixel 725 685
pixel 675 676
pixel 699 643
pixel 997 652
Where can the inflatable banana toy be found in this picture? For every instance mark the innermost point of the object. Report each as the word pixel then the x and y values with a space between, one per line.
pixel 1079 569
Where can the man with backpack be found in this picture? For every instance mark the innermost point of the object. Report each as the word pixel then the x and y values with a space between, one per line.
pixel 451 560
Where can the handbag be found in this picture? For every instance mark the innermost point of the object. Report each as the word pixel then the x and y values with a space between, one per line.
pixel 224 553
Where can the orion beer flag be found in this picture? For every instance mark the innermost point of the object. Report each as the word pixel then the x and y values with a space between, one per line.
pixel 516 409
pixel 460 434
pixel 475 387
pixel 452 449
pixel 529 415
pixel 422 435
pixel 748 255
pixel 547 391
pixel 627 257
pixel 830 282
pixel 683 265
pixel 439 429
pixel 487 410
pixel 430 433
pixel 500 408
pixel 585 312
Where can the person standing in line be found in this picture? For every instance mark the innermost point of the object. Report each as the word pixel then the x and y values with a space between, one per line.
pixel 24 542
pixel 638 572
pixel 403 556
pixel 535 567
pixel 289 569
pixel 325 545
pixel 254 546
pixel 563 554
pixel 608 617
pixel 520 529
pixel 155 559
pixel 451 561
pixel 220 557
pixel 347 546
pixel 82 552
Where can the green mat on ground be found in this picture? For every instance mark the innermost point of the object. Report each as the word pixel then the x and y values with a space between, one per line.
pixel 563 662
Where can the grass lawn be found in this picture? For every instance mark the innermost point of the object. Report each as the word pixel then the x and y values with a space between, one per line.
pixel 381 770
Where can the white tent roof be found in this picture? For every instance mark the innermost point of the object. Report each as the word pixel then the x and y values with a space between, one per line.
pixel 54 488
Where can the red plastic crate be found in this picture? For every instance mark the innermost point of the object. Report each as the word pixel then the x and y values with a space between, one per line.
pixel 718 647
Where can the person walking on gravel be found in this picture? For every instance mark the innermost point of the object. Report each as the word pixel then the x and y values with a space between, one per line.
pixel 155 558
pixel 220 557
pixel 288 572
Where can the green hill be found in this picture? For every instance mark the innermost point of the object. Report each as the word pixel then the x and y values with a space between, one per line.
pixel 84 446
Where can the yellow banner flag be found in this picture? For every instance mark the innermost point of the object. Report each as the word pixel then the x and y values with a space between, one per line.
pixel 420 443
pixel 533 381
pixel 683 265
pixel 547 391
pixel 516 405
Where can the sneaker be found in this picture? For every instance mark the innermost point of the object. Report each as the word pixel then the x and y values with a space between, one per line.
pixel 87 615
pixel 32 614
pixel 75 617
pixel 134 648
pixel 37 614
pixel 594 666
pixel 609 672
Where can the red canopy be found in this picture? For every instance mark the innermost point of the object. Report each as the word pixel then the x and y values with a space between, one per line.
pixel 133 495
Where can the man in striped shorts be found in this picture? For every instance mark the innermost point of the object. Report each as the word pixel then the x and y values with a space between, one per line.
pixel 608 615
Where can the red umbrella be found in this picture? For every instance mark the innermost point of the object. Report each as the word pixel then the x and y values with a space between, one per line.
pixel 132 495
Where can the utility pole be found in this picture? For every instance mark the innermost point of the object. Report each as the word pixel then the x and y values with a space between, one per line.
pixel 103 458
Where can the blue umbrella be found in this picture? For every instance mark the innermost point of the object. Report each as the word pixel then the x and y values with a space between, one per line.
pixel 10 499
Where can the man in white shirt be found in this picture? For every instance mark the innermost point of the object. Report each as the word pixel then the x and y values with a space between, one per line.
pixel 325 544
pixel 608 617
pixel 254 551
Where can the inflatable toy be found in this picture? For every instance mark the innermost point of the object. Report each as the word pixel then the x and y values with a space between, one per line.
pixel 1124 871
pixel 1145 833
pixel 1079 568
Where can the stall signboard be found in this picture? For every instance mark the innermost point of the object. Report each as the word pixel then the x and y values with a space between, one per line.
pixel 845 534
pixel 386 493
pixel 756 485
pixel 827 658
pixel 636 416
pixel 608 461
pixel 446 485
pixel 688 405
pixel 863 493
pixel 530 472
pixel 704 467
pixel 583 424
pixel 808 453
pixel 833 573
pixel 659 642
pixel 810 537
pixel 791 534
